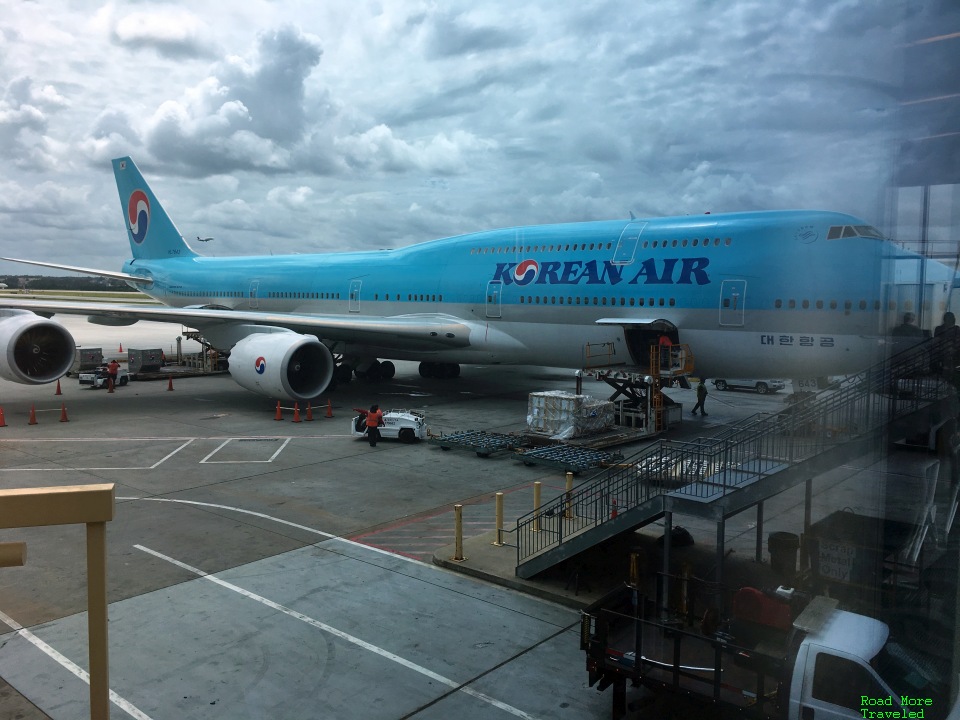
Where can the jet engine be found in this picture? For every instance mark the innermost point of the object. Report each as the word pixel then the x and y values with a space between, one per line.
pixel 35 350
pixel 283 364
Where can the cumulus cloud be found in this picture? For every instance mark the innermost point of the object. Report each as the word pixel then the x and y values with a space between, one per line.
pixel 380 150
pixel 172 32
pixel 385 124
pixel 24 122
pixel 246 115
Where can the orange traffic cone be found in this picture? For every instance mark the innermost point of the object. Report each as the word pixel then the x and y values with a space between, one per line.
pixel 279 415
pixel 309 411
pixel 58 389
pixel 3 423
pixel 296 412
pixel 63 413
pixel 613 510
pixel 329 408
pixel 121 348
pixel 33 416
pixel 169 383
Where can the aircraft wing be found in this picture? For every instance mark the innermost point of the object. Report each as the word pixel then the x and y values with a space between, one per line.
pixel 86 271
pixel 428 331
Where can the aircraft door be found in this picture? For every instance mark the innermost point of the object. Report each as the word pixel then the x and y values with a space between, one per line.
pixel 627 245
pixel 354 296
pixel 253 298
pixel 494 288
pixel 733 295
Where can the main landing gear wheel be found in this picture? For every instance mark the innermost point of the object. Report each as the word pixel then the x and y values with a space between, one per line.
pixel 443 371
pixel 387 370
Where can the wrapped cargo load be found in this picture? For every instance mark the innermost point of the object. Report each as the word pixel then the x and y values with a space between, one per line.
pixel 563 415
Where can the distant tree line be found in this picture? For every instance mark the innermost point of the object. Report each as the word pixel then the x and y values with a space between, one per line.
pixel 63 282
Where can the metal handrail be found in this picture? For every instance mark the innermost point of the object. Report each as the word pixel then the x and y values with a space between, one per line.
pixel 756 447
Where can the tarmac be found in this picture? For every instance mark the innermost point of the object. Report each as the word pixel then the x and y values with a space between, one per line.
pixel 308 517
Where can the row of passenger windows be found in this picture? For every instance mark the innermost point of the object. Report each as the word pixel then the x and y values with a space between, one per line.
pixel 622 301
pixel 304 295
pixel 411 297
pixel 684 242
pixel 833 304
pixel 208 294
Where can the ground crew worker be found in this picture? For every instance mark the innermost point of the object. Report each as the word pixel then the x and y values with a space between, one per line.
pixel 112 369
pixel 374 421
pixel 701 398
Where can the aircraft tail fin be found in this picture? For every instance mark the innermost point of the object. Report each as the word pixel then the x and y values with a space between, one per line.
pixel 150 230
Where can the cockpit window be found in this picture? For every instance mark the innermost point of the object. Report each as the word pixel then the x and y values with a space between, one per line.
pixel 868 232
pixel 848 231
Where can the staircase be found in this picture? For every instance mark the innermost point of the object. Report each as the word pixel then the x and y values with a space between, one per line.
pixel 759 457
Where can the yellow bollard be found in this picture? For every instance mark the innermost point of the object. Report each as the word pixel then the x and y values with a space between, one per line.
pixel 458 534
pixel 536 506
pixel 568 511
pixel 499 540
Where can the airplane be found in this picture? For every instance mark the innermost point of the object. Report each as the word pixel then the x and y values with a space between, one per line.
pixel 793 293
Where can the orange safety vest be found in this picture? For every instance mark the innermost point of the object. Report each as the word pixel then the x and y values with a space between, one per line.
pixel 375 419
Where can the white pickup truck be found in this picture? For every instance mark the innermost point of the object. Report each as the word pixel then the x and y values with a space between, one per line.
pixel 826 664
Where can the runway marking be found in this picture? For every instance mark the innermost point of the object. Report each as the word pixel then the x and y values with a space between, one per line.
pixel 125 705
pixel 227 462
pixel 157 464
pixel 264 516
pixel 342 635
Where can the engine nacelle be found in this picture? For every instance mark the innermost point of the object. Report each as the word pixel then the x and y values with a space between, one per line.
pixel 34 350
pixel 283 364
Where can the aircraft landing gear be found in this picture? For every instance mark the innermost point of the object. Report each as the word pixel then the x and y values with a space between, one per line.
pixel 443 371
pixel 342 374
pixel 377 370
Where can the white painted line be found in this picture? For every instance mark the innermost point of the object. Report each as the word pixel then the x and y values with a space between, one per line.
pixel 305 528
pixel 125 705
pixel 170 455
pixel 116 467
pixel 219 447
pixel 215 450
pixel 342 635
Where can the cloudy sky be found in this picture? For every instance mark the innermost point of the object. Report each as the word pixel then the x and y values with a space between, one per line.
pixel 285 127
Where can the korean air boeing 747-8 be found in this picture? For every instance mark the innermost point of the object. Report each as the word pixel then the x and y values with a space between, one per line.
pixel 779 293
